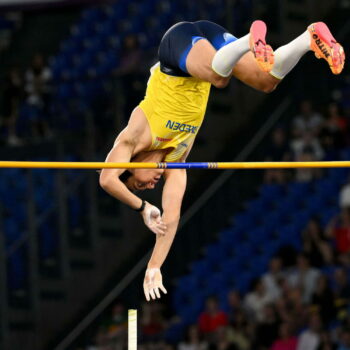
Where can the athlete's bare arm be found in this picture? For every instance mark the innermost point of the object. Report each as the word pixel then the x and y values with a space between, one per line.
pixel 122 151
pixel 109 178
pixel 130 141
pixel 173 192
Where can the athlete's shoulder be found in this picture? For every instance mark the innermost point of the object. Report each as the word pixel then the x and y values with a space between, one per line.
pixel 154 67
pixel 137 129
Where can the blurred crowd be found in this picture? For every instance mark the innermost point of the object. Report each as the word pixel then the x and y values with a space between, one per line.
pixel 300 303
pixel 25 103
pixel 311 136
pixel 29 108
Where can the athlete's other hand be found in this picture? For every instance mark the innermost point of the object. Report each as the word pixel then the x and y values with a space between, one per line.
pixel 153 219
pixel 152 283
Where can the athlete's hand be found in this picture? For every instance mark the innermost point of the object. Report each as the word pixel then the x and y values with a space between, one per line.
pixel 152 283
pixel 153 219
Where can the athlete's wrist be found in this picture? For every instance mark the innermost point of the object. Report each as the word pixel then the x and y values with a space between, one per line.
pixel 153 266
pixel 141 207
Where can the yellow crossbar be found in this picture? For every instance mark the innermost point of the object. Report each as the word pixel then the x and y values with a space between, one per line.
pixel 196 165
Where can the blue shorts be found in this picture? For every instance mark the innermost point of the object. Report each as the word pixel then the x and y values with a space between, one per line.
pixel 179 39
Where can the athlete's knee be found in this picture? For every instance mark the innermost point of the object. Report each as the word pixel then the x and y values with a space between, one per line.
pixel 219 81
pixel 269 85
pixel 268 88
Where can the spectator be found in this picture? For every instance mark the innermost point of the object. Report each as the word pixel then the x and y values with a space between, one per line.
pixel 342 286
pixel 334 128
pixel 37 80
pixel 310 339
pixel 305 277
pixel 238 332
pixel 335 119
pixel 12 95
pixel 323 298
pixel 256 300
pixel 101 340
pixel 164 346
pixel 272 279
pixel 38 90
pixel 130 60
pixel 344 197
pixel 296 307
pixel 152 322
pixel 344 340
pixel 118 317
pixel 193 340
pixel 117 325
pixel 234 304
pixel 307 122
pixel 267 331
pixel 315 244
pixel 222 341
pixel 306 149
pixel 339 229
pixel 212 317
pixel 326 342
pixel 286 340
pixel 129 72
pixel 282 309
pixel 277 150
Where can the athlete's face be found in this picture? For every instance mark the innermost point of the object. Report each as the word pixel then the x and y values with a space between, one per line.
pixel 144 179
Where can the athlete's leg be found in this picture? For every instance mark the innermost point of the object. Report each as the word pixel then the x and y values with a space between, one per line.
pixel 234 57
pixel 287 56
pixel 214 62
pixel 227 56
pixel 247 71
pixel 205 51
pixel 185 51
pixel 199 62
pixel 317 38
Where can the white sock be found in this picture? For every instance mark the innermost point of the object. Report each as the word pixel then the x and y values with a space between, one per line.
pixel 287 56
pixel 226 57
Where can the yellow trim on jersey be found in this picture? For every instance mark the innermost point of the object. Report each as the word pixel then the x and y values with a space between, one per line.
pixel 175 108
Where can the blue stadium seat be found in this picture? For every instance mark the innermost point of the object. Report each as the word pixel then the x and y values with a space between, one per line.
pixel 243 221
pixel 328 214
pixel 11 230
pixel 345 154
pixel 299 190
pixel 271 192
pixel 339 175
pixel 17 270
pixel 216 251
pixel 315 204
pixel 201 268
pixel 326 187
pixel 47 240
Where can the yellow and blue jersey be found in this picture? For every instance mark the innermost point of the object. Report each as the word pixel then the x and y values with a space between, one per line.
pixel 175 109
pixel 175 102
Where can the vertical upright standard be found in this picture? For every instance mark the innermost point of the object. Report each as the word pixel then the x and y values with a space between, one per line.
pixel 132 329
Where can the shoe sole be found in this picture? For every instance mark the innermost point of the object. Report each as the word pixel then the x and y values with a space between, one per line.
pixel 325 46
pixel 263 53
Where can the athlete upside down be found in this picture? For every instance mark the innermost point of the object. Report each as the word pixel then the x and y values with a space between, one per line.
pixel 194 56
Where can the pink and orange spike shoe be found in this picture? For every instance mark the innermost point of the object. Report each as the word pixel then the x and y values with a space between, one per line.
pixel 325 46
pixel 263 53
